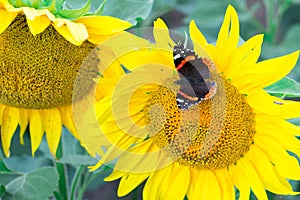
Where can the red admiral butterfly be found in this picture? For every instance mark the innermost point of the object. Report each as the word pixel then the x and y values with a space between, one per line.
pixel 194 73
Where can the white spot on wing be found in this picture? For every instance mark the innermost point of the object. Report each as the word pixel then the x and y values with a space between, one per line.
pixel 176 56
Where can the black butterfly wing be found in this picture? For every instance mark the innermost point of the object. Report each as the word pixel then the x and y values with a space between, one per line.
pixel 193 75
pixel 192 78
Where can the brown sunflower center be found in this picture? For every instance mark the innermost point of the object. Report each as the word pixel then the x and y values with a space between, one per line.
pixel 38 72
pixel 210 135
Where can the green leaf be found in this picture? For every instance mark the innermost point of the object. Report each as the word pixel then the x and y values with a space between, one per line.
pixel 36 3
pixel 252 196
pixel 3 166
pixel 70 12
pixel 78 160
pixel 128 10
pixel 37 185
pixel 286 87
pixel 71 146
pixel 209 16
pixel 28 162
pixel 295 121
pixel 161 7
pixel 6 177
pixel 72 152
pixel 97 9
pixel 2 191
pixel 212 14
pixel 50 5
pixel 74 4
pixel 292 37
pixel 59 4
pixel 21 159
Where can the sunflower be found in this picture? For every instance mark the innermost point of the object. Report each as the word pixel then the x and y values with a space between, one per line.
pixel 238 138
pixel 42 47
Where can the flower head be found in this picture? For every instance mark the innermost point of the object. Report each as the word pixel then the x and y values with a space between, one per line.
pixel 42 47
pixel 236 136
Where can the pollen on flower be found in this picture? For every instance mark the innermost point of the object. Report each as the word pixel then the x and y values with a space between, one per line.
pixel 38 72
pixel 210 135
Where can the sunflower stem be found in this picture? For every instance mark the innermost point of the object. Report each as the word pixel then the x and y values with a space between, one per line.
pixel 271 20
pixel 84 185
pixel 63 175
pixel 75 182
pixel 275 11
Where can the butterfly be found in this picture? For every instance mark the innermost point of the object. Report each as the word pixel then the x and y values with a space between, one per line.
pixel 194 73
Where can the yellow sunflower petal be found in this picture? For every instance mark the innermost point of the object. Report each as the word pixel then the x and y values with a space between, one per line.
pixel 260 101
pixel 177 184
pixel 53 128
pixel 266 72
pixel 36 128
pixel 162 36
pixel 76 33
pixel 2 3
pixel 192 191
pixel 68 120
pixel 157 184
pixel 168 183
pixel 199 40
pixel 147 58
pixel 5 4
pixel 121 143
pixel 10 120
pixel 226 184
pixel 116 174
pixel 23 122
pixel 245 55
pixel 129 182
pixel 98 39
pixel 266 172
pixel 206 181
pixel 36 19
pixel 120 44
pixel 38 25
pixel 101 28
pixel 286 139
pixel 282 125
pixel 289 109
pixel 228 37
pixel 238 178
pixel 286 165
pixel 283 109
pixel 145 156
pixel 2 107
pixel 6 19
pixel 103 25
pixel 253 178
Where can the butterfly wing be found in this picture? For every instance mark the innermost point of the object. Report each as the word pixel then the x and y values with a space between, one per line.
pixel 193 73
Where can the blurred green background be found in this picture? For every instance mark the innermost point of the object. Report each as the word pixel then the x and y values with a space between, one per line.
pixel 68 176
